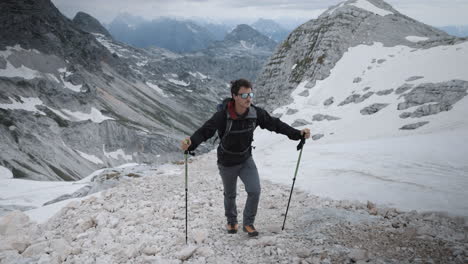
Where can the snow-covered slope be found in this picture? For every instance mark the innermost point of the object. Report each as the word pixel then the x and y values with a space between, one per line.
pixel 388 121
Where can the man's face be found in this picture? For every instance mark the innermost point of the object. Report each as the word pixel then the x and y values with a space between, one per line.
pixel 244 103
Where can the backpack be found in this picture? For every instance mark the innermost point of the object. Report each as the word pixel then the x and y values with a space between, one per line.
pixel 223 107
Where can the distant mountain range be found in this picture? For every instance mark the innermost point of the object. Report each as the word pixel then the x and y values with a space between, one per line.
pixel 459 31
pixel 182 36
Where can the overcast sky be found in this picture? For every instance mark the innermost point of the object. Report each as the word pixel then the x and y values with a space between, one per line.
pixel 432 12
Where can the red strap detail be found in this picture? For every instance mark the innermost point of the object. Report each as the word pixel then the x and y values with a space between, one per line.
pixel 232 110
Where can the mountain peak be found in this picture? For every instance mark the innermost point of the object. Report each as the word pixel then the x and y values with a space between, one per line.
pixel 377 7
pixel 89 24
pixel 246 33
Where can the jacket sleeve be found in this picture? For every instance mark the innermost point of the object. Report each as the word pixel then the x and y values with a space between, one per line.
pixel 274 124
pixel 206 131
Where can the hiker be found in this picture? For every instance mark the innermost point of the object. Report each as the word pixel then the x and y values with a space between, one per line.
pixel 235 121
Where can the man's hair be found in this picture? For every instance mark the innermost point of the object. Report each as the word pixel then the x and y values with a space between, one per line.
pixel 237 84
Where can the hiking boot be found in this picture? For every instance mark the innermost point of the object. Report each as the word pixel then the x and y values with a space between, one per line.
pixel 231 228
pixel 250 229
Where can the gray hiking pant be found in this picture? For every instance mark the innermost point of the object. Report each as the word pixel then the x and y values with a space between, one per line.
pixel 247 172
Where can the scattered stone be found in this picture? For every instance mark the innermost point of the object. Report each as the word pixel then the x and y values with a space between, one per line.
pixel 317 136
pixel 350 99
pixel 364 97
pixel 291 111
pixel 304 93
pixel 414 126
pixel 303 253
pixel 186 253
pixel 405 115
pixel 11 222
pixel 381 61
pixel 366 88
pixel 385 92
pixel 372 109
pixel 329 101
pixel 35 249
pixel 205 251
pixel 300 122
pixel 200 236
pixel 357 254
pixel 414 78
pixel 357 80
pixel 320 117
pixel 446 94
pixel 405 87
pixel 153 250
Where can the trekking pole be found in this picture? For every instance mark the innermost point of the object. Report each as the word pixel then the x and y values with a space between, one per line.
pixel 299 147
pixel 186 191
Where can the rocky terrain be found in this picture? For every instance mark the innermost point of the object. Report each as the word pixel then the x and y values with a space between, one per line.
pixel 142 220
pixel 74 100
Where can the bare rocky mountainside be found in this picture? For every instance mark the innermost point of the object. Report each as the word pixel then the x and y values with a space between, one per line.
pixel 74 100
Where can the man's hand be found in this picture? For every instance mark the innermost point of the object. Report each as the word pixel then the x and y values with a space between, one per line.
pixel 185 144
pixel 305 133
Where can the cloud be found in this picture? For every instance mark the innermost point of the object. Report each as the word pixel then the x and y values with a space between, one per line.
pixel 433 12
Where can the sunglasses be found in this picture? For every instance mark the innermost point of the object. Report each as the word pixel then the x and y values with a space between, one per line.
pixel 245 95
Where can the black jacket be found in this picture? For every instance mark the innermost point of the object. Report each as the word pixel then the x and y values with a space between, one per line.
pixel 236 147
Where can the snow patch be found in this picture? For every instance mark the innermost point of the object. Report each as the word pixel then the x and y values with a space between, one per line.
pixel 5 173
pixel 25 103
pixel 95 116
pixel 336 8
pixel 178 82
pixel 245 45
pixel 68 85
pixel 416 38
pixel 366 5
pixel 117 154
pixel 156 88
pixel 294 66
pixel 198 75
pixel 23 72
pixel 89 157
pixel 192 29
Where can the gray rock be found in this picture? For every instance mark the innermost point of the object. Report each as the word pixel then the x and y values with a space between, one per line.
pixel 89 24
pixel 300 122
pixel 317 136
pixel 364 97
pixel 405 115
pixel 350 99
pixel 446 94
pixel 329 101
pixel 414 78
pixel 186 253
pixel 405 87
pixel 430 109
pixel 357 80
pixel 320 117
pixel 385 92
pixel 305 93
pixel 414 125
pixel 372 109
pixel 358 254
pixel 381 61
pixel 291 111
pixel 366 88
